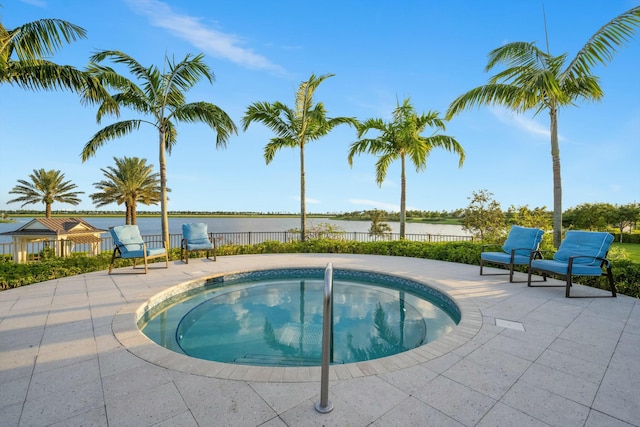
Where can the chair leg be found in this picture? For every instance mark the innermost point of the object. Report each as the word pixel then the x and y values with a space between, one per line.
pixel 146 261
pixel 166 258
pixel 610 278
pixel 569 284
pixel 113 259
pixel 481 265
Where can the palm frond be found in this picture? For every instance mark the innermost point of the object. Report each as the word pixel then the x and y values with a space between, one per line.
pixel 113 131
pixel 45 75
pixel 585 87
pixel 448 143
pixel 429 119
pixel 371 124
pixel 491 94
pixel 40 39
pixel 118 57
pixel 188 72
pixel 604 44
pixel 46 186
pixel 516 54
pixel 304 94
pixel 335 121
pixel 130 181
pixel 382 166
pixel 276 144
pixel 374 146
pixel 170 135
pixel 210 114
pixel 270 115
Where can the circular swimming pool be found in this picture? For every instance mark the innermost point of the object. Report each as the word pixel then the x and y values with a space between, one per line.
pixel 274 317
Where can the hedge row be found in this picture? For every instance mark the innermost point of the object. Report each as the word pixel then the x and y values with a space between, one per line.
pixel 627 237
pixel 626 273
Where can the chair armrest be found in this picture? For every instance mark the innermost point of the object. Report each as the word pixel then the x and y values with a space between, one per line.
pixel 603 261
pixel 537 254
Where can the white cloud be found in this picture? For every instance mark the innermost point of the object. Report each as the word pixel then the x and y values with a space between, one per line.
pixel 376 204
pixel 38 3
pixel 211 41
pixel 518 120
pixel 309 200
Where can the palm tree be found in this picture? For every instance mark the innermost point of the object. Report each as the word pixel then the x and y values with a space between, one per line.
pixel 45 187
pixel 129 182
pixel 378 226
pixel 537 80
pixel 161 97
pixel 400 139
pixel 294 127
pixel 23 58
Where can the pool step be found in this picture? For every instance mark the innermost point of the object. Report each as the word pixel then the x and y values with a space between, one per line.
pixel 272 360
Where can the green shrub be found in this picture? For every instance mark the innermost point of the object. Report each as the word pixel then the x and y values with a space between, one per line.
pixel 627 237
pixel 626 273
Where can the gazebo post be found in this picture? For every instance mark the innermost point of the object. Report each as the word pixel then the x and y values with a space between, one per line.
pixel 19 250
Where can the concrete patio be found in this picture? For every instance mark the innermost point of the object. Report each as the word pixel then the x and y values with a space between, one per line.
pixel 71 354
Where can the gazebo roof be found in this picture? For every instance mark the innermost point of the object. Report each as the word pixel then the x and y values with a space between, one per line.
pixel 73 228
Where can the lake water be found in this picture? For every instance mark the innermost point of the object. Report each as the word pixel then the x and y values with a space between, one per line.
pixel 149 226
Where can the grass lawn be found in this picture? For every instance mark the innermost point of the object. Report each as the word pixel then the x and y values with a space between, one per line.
pixel 632 250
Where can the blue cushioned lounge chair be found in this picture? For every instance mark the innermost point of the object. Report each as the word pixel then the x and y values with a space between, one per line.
pixel 581 253
pixel 196 238
pixel 129 244
pixel 516 250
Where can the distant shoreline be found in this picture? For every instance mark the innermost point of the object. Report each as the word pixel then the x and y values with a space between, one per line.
pixel 171 214
pixel 180 214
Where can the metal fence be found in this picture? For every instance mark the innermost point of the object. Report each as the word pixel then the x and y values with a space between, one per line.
pixel 40 249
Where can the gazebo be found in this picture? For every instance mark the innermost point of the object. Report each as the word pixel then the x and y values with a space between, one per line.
pixel 60 234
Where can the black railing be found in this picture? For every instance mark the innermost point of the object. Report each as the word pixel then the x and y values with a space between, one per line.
pixel 39 249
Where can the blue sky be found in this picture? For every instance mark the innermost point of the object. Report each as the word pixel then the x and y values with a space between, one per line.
pixel 380 52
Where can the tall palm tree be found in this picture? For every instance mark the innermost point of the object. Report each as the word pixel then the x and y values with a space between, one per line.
pixel 536 80
pixel 130 181
pixel 45 187
pixel 294 127
pixel 400 139
pixel 24 53
pixel 161 98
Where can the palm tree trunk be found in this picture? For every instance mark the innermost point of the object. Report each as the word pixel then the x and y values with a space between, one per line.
pixel 303 196
pixel 557 181
pixel 47 210
pixel 127 213
pixel 134 213
pixel 403 198
pixel 163 190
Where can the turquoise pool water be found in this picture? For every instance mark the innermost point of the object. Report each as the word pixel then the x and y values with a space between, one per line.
pixel 274 317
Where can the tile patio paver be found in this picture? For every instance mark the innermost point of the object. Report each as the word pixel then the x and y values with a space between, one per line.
pixel 71 354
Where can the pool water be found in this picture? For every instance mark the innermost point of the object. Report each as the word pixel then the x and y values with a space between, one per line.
pixel 275 319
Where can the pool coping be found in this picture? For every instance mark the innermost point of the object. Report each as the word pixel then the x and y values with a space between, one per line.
pixel 125 329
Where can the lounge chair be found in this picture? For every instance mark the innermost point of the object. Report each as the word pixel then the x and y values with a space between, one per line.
pixel 129 245
pixel 581 253
pixel 516 250
pixel 196 238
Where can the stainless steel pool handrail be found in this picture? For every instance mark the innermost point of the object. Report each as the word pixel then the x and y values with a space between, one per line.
pixel 324 405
